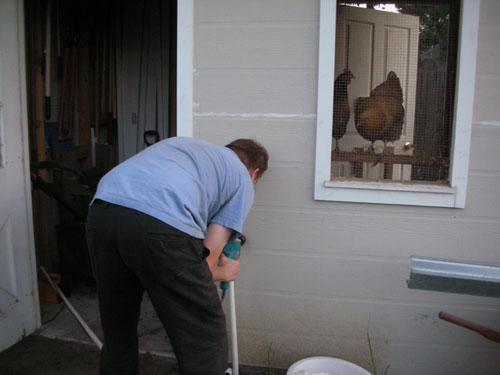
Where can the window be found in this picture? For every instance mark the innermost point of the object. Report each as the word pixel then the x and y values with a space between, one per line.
pixel 398 131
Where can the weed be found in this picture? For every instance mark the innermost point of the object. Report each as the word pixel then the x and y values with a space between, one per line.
pixel 270 353
pixel 372 357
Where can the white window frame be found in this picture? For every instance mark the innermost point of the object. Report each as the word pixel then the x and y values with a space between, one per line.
pixel 417 194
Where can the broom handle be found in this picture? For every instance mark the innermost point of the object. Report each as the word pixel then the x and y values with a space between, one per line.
pixel 234 334
pixel 87 329
pixel 489 333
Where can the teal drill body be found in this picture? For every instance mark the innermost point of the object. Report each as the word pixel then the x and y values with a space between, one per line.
pixel 232 251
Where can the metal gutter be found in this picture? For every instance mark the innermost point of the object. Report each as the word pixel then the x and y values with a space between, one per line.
pixel 454 277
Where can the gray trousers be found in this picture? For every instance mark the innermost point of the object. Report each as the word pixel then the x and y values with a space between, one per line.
pixel 132 252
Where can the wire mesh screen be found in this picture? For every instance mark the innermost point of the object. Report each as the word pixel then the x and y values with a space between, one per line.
pixel 395 66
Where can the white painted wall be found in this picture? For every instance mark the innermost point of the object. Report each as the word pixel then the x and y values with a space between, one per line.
pixel 317 276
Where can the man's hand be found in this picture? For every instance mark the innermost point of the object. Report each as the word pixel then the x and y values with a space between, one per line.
pixel 228 269
pixel 222 268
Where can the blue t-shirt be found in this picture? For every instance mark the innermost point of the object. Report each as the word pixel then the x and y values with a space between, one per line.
pixel 184 182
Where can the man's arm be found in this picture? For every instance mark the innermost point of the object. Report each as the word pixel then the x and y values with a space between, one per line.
pixel 215 240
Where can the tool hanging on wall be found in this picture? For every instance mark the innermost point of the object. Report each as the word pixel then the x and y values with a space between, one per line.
pixel 104 75
pixel 97 108
pixel 112 127
pixel 103 81
pixel 48 34
pixel 69 70
pixel 143 79
pixel 58 35
pixel 153 136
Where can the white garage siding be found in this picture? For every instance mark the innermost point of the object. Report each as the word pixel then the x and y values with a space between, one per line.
pixel 318 276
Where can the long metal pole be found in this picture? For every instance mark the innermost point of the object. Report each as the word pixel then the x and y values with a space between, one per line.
pixel 234 333
pixel 87 329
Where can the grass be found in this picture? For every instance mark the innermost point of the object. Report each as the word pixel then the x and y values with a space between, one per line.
pixel 372 357
pixel 270 354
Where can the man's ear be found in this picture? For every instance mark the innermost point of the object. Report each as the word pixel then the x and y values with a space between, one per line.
pixel 254 175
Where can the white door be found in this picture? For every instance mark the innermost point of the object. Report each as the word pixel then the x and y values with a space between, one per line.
pixel 372 43
pixel 19 308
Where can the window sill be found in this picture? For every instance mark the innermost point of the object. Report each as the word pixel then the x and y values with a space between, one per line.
pixel 388 193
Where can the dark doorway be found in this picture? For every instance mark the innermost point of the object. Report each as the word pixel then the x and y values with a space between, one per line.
pixel 101 85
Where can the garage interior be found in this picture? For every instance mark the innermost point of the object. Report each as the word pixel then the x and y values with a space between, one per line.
pixel 101 87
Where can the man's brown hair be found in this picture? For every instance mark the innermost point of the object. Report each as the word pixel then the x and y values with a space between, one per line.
pixel 251 153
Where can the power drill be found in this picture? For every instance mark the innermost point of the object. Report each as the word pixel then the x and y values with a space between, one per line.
pixel 232 251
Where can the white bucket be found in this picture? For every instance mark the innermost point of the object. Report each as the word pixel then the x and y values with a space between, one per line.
pixel 325 366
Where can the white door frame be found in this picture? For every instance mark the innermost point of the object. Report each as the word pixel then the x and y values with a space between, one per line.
pixel 19 307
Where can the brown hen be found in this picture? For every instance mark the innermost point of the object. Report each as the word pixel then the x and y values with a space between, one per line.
pixel 341 109
pixel 381 115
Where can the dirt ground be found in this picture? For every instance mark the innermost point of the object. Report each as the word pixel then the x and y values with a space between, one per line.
pixel 39 355
pixel 61 346
pixel 44 356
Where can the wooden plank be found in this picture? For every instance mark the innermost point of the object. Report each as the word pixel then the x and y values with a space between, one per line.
pixel 284 187
pixel 252 11
pixel 490 12
pixel 273 133
pixel 39 92
pixel 487 90
pixel 485 148
pixel 41 222
pixel 83 87
pixel 368 278
pixel 258 45
pixel 389 166
pixel 172 72
pixel 341 317
pixel 413 359
pixel 221 130
pixel 356 165
pixel 482 195
pixel 488 52
pixel 359 156
pixel 340 232
pixel 255 91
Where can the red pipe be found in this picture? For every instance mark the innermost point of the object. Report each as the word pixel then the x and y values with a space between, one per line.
pixel 489 333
